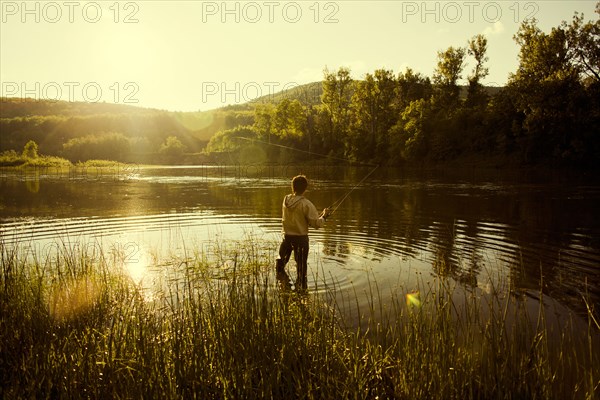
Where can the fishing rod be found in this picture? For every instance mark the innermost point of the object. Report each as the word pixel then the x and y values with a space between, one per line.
pixel 340 200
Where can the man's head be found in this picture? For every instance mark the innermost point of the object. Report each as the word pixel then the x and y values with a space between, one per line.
pixel 299 184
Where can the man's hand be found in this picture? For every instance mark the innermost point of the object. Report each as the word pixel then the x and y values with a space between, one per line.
pixel 326 213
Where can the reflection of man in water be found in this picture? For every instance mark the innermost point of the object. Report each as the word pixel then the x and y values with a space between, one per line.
pixel 298 214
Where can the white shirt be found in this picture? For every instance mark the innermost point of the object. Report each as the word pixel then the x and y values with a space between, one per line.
pixel 298 213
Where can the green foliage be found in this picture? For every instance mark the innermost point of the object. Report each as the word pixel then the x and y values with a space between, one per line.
pixel 543 57
pixel 337 94
pixel 31 158
pixel 172 149
pixel 373 115
pixel 10 158
pixel 264 115
pixel 336 113
pixel 108 164
pixel 47 161
pixel 477 48
pixel 229 140
pixel 583 40
pixel 289 120
pixel 548 113
pixel 410 140
pixel 107 146
pixel 411 87
pixel 551 100
pixel 30 150
pixel 449 70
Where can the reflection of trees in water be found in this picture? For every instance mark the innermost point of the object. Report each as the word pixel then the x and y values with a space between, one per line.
pixel 449 260
pixel 549 223
pixel 535 230
pixel 336 248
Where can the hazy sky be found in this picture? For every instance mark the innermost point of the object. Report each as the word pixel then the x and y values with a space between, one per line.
pixel 198 55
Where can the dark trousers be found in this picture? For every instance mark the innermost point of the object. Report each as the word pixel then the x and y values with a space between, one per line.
pixel 299 245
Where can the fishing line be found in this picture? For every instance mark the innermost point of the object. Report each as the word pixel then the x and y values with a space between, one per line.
pixel 340 200
pixel 306 151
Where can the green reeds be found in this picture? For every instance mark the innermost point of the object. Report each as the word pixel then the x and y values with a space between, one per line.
pixel 77 326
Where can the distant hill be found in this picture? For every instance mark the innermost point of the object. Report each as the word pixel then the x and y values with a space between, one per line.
pixel 52 124
pixel 310 94
pixel 25 107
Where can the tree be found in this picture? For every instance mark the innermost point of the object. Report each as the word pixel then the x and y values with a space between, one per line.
pixel 446 105
pixel 506 121
pixel 542 57
pixel 557 120
pixel 412 138
pixel 583 40
pixel 264 115
pixel 172 149
pixel 289 120
pixel 373 115
pixel 477 48
pixel 411 86
pixel 231 140
pixel 449 70
pixel 336 99
pixel 105 146
pixel 30 150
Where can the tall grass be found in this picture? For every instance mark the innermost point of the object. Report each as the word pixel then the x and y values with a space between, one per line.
pixel 77 326
pixel 11 159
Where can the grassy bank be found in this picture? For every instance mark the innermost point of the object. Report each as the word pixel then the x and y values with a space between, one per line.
pixel 57 166
pixel 12 159
pixel 75 325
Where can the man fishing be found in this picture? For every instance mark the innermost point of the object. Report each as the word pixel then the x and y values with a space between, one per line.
pixel 298 213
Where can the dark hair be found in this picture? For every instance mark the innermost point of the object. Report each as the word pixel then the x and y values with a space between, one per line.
pixel 299 184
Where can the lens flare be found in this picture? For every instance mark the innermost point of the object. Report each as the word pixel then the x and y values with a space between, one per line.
pixel 413 299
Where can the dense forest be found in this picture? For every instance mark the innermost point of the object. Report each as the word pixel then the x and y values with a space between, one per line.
pixel 548 113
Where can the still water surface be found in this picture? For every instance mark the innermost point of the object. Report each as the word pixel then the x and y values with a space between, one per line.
pixel 466 225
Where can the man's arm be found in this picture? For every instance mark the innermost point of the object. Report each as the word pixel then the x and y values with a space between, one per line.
pixel 312 216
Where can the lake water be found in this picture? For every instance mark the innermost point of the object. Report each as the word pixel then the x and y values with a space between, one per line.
pixel 398 224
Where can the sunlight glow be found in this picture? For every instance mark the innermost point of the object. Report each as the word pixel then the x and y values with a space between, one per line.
pixel 73 298
pixel 137 266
